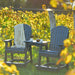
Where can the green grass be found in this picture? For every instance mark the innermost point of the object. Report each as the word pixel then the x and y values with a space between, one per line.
pixel 30 68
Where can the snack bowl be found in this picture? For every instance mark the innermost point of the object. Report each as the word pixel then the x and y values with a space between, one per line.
pixel 38 40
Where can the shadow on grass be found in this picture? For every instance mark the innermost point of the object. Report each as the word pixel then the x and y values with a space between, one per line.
pixel 30 68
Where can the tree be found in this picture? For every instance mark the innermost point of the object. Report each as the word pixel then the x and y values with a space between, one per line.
pixel 61 3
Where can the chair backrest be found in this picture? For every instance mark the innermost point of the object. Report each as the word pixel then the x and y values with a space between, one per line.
pixel 22 32
pixel 28 31
pixel 58 35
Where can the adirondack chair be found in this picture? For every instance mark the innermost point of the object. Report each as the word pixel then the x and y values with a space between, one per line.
pixel 22 32
pixel 58 35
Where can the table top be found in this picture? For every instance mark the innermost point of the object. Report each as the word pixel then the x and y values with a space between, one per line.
pixel 34 41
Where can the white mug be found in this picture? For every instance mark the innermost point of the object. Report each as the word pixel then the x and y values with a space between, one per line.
pixel 41 40
pixel 31 39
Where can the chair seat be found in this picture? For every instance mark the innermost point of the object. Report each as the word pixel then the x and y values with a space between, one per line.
pixel 17 46
pixel 48 53
pixel 14 49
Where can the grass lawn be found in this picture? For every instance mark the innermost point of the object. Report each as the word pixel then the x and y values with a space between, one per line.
pixel 30 68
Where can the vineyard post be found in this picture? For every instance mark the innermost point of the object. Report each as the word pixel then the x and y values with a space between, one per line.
pixel 74 18
pixel 52 19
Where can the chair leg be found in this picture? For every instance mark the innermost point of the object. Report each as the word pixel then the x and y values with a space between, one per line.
pixel 5 56
pixel 47 57
pixel 25 56
pixel 47 60
pixel 67 66
pixel 12 56
pixel 30 54
pixel 39 63
pixel 46 46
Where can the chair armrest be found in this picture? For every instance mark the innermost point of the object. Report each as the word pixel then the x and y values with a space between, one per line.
pixel 8 41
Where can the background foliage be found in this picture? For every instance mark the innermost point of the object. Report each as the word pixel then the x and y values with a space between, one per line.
pixel 39 22
pixel 32 3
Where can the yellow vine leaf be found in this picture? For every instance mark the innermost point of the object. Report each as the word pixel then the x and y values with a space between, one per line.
pixel 7 73
pixel 64 52
pixel 74 63
pixel 61 59
pixel 53 3
pixel 69 7
pixel 71 72
pixel 74 8
pixel 8 69
pixel 61 0
pixel 67 42
pixel 72 36
pixel 1 74
pixel 13 67
pixel 6 8
pixel 68 59
pixel 65 6
pixel 74 54
pixel 17 72
pixel 0 29
pixel 43 6
pixel 71 1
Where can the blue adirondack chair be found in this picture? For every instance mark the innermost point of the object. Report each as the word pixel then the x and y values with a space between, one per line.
pixel 22 32
pixel 58 35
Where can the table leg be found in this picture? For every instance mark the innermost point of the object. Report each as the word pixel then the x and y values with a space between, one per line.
pixel 25 56
pixel 30 53
pixel 46 47
pixel 39 63
pixel 12 56
pixel 5 56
